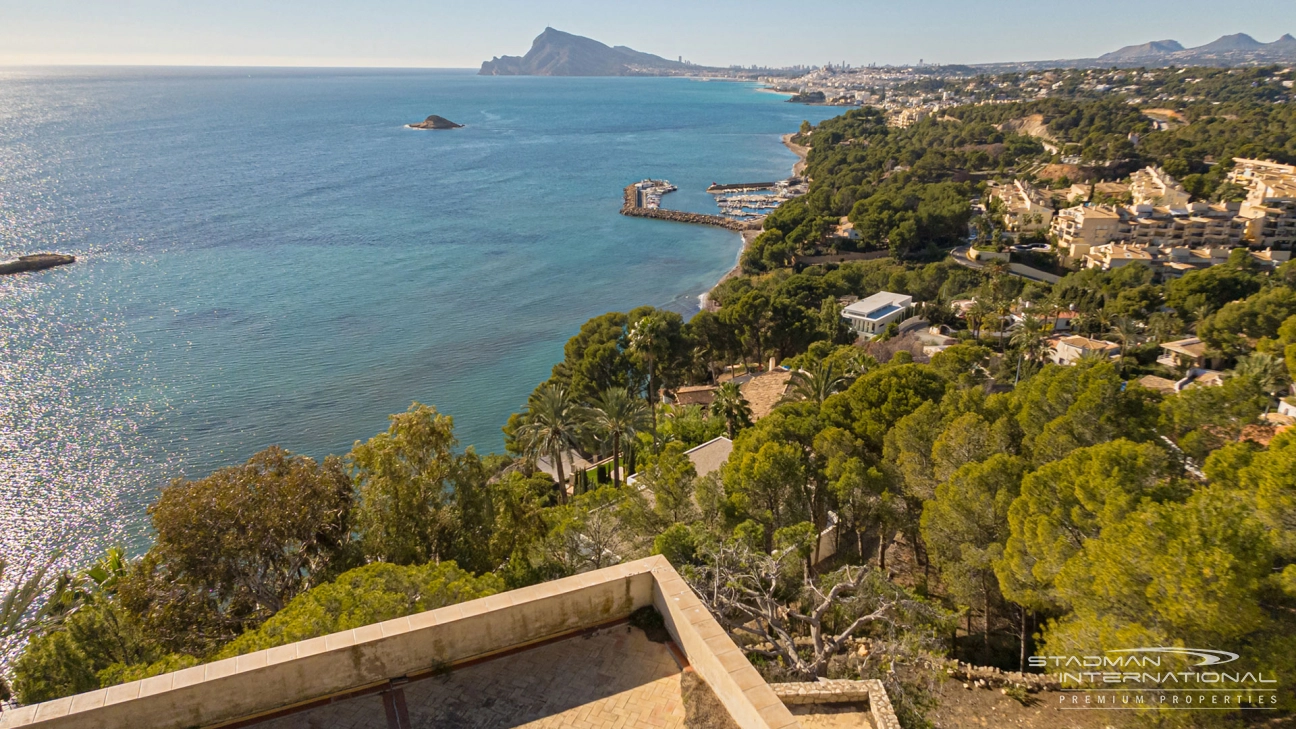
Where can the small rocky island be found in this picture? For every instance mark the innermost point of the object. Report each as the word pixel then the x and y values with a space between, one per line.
pixel 435 122
pixel 35 262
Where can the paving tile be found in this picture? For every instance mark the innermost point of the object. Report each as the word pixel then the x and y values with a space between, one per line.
pixel 613 679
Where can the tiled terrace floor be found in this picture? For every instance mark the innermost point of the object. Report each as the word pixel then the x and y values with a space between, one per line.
pixel 613 679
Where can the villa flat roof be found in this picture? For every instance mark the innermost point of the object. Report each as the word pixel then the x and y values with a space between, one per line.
pixel 878 305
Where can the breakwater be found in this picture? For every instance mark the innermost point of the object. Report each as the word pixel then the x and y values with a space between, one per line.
pixel 632 208
pixel 741 186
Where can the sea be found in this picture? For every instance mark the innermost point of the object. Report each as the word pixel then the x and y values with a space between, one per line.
pixel 270 257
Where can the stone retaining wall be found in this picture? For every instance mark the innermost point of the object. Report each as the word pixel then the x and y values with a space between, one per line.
pixel 838 691
pixel 991 677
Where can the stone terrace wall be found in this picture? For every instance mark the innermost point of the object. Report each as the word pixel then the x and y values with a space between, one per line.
pixel 837 691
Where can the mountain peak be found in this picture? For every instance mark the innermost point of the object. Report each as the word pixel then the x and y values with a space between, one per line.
pixel 557 53
pixel 1152 48
pixel 1234 42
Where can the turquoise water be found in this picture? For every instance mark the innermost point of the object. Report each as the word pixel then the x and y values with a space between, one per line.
pixel 270 257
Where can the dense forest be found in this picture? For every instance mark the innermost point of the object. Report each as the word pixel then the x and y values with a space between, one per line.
pixel 992 505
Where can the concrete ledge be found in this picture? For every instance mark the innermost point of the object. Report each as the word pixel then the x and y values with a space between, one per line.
pixel 751 702
pixel 278 679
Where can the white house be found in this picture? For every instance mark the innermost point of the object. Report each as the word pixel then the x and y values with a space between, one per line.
pixel 871 316
pixel 1287 406
pixel 1068 350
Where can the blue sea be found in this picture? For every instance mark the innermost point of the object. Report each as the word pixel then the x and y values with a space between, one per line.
pixel 268 256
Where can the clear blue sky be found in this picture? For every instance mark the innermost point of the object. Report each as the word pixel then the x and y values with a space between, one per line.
pixel 433 33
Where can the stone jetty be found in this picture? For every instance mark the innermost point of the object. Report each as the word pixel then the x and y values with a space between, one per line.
pixel 632 207
pixel 35 262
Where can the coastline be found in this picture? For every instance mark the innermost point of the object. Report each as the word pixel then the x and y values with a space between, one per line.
pixel 800 151
pixel 749 235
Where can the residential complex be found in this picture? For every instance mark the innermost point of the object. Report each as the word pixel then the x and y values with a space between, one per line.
pixel 1169 261
pixel 1153 186
pixel 1271 200
pixel 1174 235
pixel 1197 225
pixel 1026 209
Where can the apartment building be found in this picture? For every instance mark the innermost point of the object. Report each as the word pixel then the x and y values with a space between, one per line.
pixel 1270 205
pixel 1080 228
pixel 1197 225
pixel 1170 262
pixel 1162 216
pixel 1026 209
pixel 1154 186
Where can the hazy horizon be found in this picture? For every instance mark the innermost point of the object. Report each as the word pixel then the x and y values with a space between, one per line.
pixel 408 34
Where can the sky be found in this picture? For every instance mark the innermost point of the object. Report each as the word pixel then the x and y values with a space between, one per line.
pixel 462 34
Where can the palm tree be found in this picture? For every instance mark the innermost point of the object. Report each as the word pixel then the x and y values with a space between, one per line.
pixel 1268 371
pixel 1002 309
pixel 552 424
pixel 23 603
pixel 815 385
pixel 1201 314
pixel 648 340
pixel 617 416
pixel 976 316
pixel 730 404
pixel 1162 326
pixel 1030 336
pixel 857 364
pixel 1127 331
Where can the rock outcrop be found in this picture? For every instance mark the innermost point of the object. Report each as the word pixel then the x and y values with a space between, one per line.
pixel 35 262
pixel 435 122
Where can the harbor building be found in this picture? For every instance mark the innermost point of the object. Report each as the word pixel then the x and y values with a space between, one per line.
pixel 870 317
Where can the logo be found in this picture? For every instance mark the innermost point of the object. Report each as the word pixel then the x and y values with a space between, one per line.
pixel 1161 677
pixel 1208 656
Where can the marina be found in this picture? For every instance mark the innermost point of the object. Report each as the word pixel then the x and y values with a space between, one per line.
pixel 742 205
pixel 753 200
pixel 643 200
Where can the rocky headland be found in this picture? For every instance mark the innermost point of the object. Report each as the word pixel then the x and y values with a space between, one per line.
pixel 555 53
pixel 35 262
pixel 435 122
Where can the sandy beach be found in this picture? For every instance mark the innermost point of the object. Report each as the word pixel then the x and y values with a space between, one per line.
pixel 749 235
pixel 798 150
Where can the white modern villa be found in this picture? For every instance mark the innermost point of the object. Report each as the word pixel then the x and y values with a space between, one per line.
pixel 871 316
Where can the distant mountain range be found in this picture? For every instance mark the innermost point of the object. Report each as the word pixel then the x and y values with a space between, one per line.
pixel 555 53
pixel 1238 49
